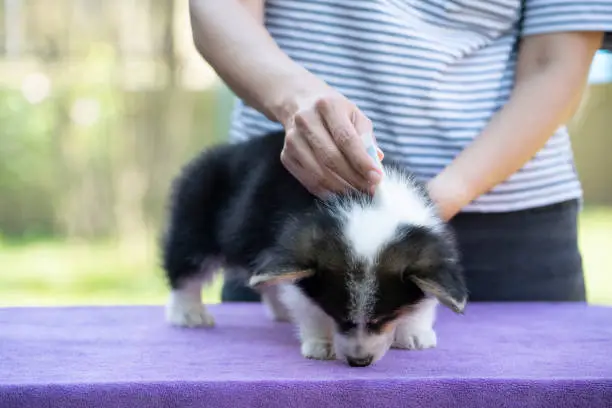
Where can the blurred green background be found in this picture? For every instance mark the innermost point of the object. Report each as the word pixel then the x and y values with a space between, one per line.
pixel 101 101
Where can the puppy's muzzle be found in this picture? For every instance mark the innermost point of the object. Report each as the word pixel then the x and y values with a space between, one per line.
pixel 360 362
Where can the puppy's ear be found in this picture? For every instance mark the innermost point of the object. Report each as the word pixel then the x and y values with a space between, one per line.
pixel 433 265
pixel 277 266
pixel 446 284
pixel 293 257
pixel 273 278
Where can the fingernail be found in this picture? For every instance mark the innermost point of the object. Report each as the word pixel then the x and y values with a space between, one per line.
pixel 374 177
pixel 380 153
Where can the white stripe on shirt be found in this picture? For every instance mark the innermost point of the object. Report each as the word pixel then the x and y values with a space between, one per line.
pixel 430 74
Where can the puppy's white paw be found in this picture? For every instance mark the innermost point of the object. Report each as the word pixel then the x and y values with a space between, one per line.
pixel 411 339
pixel 318 349
pixel 185 313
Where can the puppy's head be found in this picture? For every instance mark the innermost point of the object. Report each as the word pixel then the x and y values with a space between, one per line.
pixel 366 263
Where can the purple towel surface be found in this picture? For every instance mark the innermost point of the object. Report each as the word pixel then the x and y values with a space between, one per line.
pixel 496 355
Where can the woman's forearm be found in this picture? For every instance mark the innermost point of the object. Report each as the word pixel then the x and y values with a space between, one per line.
pixel 323 146
pixel 546 95
pixel 255 8
pixel 236 45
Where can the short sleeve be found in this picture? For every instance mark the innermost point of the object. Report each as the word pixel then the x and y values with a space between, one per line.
pixel 549 16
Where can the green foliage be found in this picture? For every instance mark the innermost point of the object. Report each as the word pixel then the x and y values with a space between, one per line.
pixel 65 175
pixel 27 171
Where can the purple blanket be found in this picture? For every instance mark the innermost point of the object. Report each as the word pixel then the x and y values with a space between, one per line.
pixel 496 355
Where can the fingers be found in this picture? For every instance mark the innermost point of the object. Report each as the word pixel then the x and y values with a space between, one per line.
pixel 346 129
pixel 299 159
pixel 324 149
pixel 325 152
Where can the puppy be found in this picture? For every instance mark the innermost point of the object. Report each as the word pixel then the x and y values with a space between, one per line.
pixel 357 274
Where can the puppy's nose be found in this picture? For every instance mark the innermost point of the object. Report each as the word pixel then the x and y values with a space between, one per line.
pixel 360 362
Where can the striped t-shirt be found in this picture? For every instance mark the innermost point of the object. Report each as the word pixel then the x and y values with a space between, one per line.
pixel 430 74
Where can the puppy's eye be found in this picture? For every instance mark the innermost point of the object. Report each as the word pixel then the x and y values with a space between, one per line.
pixel 346 325
pixel 380 321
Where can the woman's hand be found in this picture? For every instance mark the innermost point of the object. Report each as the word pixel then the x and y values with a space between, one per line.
pixel 536 108
pixel 323 146
pixel 449 195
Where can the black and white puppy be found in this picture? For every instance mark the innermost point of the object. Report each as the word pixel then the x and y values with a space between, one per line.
pixel 357 274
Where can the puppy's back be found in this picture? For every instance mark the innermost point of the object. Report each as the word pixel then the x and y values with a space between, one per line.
pixel 228 202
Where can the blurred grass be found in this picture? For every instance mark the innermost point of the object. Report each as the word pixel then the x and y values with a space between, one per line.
pixel 67 273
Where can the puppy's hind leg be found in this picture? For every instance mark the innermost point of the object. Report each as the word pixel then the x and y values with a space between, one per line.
pixel 190 249
pixel 185 306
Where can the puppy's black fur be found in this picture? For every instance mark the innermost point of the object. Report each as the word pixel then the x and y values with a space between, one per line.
pixel 231 202
pixel 237 204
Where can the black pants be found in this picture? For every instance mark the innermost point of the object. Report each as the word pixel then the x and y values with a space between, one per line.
pixel 529 255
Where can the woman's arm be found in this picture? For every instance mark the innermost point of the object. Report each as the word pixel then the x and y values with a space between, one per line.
pixel 323 147
pixel 236 45
pixel 255 8
pixel 552 70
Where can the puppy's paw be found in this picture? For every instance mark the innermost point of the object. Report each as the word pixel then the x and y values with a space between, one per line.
pixel 194 316
pixel 188 314
pixel 411 339
pixel 318 349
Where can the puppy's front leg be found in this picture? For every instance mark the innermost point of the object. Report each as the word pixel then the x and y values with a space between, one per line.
pixel 317 338
pixel 315 327
pixel 270 296
pixel 415 329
